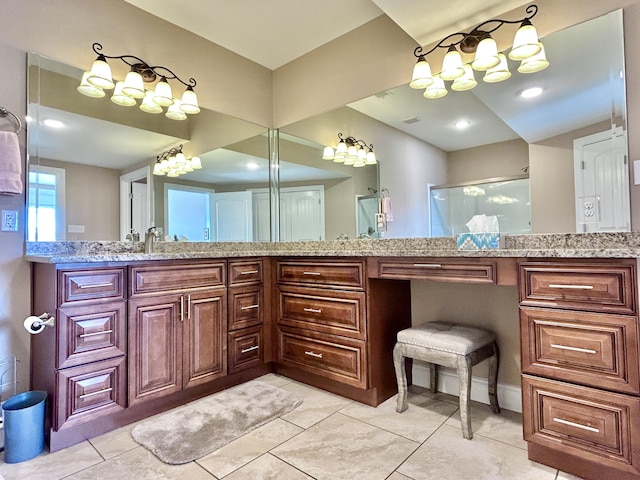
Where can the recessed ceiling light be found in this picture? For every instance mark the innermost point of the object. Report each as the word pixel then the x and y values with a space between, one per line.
pixel 253 166
pixel 462 124
pixel 50 122
pixel 531 92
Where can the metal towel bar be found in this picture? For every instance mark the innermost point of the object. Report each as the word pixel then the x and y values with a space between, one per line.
pixel 4 112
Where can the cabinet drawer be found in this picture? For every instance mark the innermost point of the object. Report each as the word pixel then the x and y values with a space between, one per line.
pixel 245 306
pixel 336 358
pixel 170 278
pixel 89 333
pixel 93 284
pixel 602 287
pixel 592 424
pixel 348 275
pixel 89 391
pixel 245 349
pixel 335 312
pixel 588 348
pixel 242 272
pixel 444 270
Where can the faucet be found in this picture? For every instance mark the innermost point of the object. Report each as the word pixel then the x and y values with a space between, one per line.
pixel 134 236
pixel 342 236
pixel 149 237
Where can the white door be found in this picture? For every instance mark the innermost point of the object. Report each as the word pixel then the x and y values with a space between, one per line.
pixel 302 213
pixel 232 217
pixel 261 216
pixel 139 207
pixel 602 183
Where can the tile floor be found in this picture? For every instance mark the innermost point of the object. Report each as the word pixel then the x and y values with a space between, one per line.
pixel 326 438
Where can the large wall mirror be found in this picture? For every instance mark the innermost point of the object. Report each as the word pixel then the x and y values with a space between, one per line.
pixel 570 141
pixel 91 164
pixel 91 174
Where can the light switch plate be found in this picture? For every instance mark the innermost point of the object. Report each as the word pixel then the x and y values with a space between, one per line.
pixel 9 221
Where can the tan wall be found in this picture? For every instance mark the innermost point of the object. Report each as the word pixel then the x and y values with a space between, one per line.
pixel 92 199
pixel 494 308
pixel 488 161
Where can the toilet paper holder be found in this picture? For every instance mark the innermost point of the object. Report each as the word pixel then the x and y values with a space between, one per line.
pixel 36 324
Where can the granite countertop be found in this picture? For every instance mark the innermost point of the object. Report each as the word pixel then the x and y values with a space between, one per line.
pixel 587 245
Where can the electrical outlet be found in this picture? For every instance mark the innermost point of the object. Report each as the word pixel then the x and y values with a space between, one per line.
pixel 75 228
pixel 9 221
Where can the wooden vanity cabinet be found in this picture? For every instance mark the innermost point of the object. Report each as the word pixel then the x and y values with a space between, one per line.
pixel 81 362
pixel 246 314
pixel 325 336
pixel 580 365
pixel 177 327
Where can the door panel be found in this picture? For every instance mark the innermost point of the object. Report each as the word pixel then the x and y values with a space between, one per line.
pixel 205 337
pixel 155 347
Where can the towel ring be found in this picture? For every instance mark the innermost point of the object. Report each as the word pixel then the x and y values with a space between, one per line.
pixel 4 112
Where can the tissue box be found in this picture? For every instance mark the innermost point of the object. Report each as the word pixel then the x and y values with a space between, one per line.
pixel 477 241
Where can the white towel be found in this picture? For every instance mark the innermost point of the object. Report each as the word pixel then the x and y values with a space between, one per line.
pixel 10 164
pixel 386 208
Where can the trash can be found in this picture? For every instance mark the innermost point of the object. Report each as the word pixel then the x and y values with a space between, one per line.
pixel 23 426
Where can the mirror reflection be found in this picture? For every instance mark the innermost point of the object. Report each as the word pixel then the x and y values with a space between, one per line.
pixel 570 139
pixel 91 176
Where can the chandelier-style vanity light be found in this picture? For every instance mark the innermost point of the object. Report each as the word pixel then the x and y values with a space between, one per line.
pixel 174 163
pixel 126 93
pixel 526 49
pixel 351 151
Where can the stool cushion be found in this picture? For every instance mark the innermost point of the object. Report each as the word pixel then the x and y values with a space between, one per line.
pixel 446 337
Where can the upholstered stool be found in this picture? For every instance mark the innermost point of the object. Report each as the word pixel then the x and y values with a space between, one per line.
pixel 449 345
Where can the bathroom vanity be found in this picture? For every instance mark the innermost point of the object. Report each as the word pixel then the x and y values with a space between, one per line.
pixel 137 334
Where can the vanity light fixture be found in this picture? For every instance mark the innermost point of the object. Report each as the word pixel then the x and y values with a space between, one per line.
pixel 351 151
pixel 526 49
pixel 126 93
pixel 174 163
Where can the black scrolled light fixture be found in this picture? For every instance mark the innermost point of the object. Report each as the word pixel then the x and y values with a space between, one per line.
pixel 174 163
pixel 98 79
pixel 352 152
pixel 527 49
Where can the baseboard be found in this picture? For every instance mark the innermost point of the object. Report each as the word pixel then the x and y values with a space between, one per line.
pixel 509 396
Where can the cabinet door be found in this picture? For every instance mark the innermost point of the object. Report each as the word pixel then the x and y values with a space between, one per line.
pixel 155 347
pixel 205 335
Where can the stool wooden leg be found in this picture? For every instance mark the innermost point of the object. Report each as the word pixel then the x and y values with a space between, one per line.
pixel 494 362
pixel 401 378
pixel 464 379
pixel 433 377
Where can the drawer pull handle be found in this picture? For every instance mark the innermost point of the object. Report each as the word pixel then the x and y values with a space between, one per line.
pixel 313 354
pixel 249 307
pixel 249 272
pixel 313 310
pixel 250 349
pixel 577 425
pixel 103 332
pixel 311 273
pixel 96 393
pixel 95 285
pixel 573 349
pixel 571 287
pixel 427 265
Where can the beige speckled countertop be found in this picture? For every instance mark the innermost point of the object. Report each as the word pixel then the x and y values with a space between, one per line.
pixel 588 245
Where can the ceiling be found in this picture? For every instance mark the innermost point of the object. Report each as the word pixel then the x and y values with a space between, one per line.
pixel 275 32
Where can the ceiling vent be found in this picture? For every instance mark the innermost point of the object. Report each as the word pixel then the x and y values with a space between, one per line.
pixel 411 120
